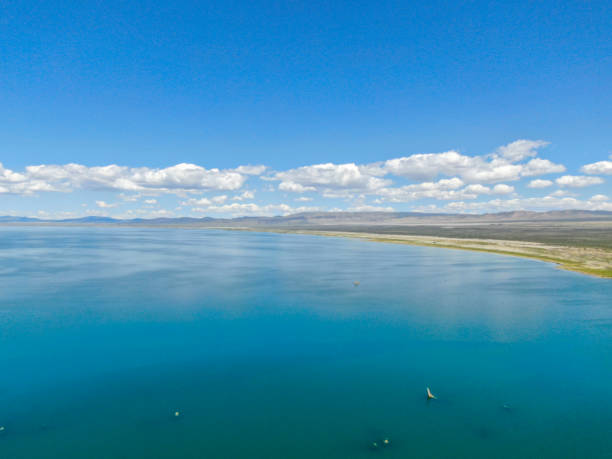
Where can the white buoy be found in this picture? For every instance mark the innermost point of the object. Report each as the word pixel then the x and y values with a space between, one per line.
pixel 177 414
pixel 430 396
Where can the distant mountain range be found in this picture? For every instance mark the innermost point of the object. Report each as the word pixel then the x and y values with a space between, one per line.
pixel 312 219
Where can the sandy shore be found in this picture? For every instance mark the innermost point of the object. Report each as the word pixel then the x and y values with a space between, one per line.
pixel 586 260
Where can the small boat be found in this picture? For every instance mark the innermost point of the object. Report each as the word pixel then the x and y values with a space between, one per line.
pixel 430 396
pixel 356 283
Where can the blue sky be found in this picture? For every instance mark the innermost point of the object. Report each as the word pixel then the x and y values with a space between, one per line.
pixel 151 108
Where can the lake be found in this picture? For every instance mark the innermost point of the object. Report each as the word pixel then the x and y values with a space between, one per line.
pixel 167 343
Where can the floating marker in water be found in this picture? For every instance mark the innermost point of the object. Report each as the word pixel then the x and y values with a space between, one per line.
pixel 380 443
pixel 430 396
pixel 177 414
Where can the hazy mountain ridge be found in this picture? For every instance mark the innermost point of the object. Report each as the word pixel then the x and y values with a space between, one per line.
pixel 336 218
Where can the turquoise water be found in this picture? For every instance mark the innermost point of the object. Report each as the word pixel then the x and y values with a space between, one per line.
pixel 267 350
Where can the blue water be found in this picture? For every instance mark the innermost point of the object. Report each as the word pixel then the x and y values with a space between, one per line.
pixel 267 350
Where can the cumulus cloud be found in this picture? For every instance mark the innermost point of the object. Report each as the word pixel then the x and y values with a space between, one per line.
pixel 219 199
pixel 329 179
pixel 462 179
pixel 197 202
pixel 562 193
pixel 472 169
pixel 105 205
pixel 538 166
pixel 534 204
pixel 244 196
pixel 477 188
pixel 495 171
pixel 498 167
pixel 235 209
pixel 539 183
pixel 521 149
pixel 295 187
pixel 251 170
pixel 18 183
pixel 175 179
pixel 445 189
pixel 427 166
pixel 578 181
pixel 502 188
pixel 329 176
pixel 369 208
pixel 600 167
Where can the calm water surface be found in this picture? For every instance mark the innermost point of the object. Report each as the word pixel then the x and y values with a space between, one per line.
pixel 267 350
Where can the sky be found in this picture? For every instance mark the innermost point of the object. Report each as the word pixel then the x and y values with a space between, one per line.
pixel 164 109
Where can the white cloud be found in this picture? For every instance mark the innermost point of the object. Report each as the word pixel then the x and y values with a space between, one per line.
pixel 521 149
pixel 472 169
pixel 498 167
pixel 244 196
pixel 219 199
pixel 502 188
pixel 105 205
pixel 539 183
pixel 197 202
pixel 129 197
pixel 538 166
pixel 534 204
pixel 8 176
pixel 445 189
pixel 17 183
pixel 600 167
pixel 427 166
pixel 477 188
pixel 175 179
pixel 446 176
pixel 496 171
pixel 251 170
pixel 235 209
pixel 329 176
pixel 578 181
pixel 295 187
pixel 559 193
pixel 368 208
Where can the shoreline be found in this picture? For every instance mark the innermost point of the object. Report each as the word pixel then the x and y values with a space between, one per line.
pixel 596 262
pixel 588 260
